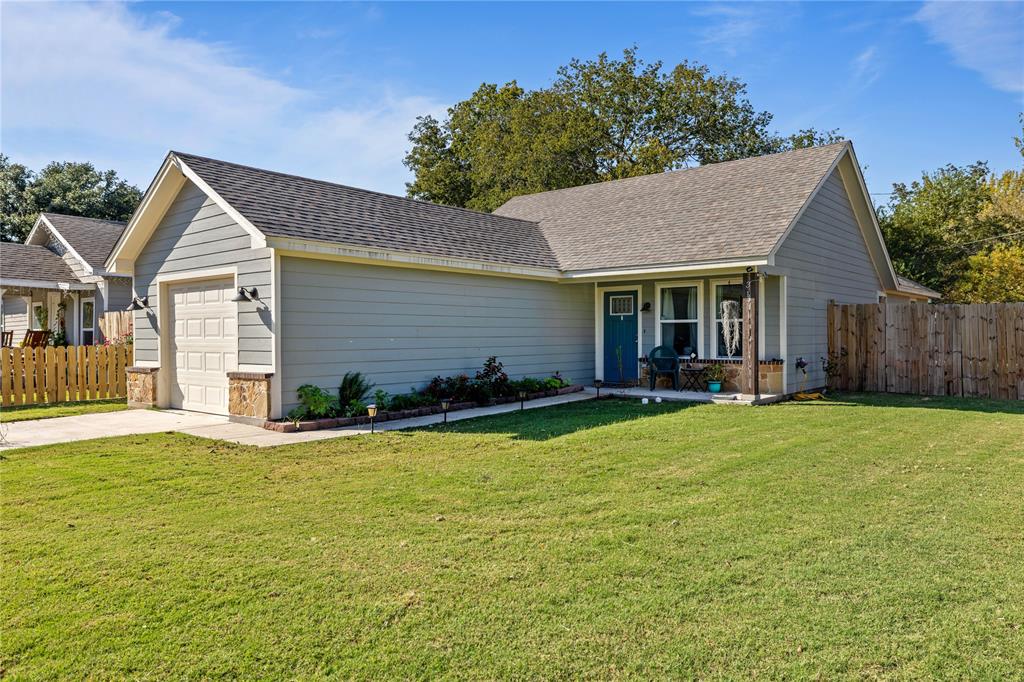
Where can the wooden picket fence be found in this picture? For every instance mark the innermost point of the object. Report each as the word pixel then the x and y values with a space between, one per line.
pixel 974 350
pixel 116 324
pixel 52 375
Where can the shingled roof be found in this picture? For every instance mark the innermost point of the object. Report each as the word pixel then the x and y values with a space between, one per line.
pixel 91 238
pixel 282 205
pixel 28 261
pixel 720 211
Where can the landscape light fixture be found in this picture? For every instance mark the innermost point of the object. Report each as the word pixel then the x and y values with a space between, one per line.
pixel 598 384
pixel 445 404
pixel 138 303
pixel 522 400
pixel 372 411
pixel 245 295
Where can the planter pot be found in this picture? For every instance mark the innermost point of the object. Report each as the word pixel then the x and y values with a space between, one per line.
pixel 714 386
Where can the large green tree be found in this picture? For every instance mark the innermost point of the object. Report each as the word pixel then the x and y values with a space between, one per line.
pixel 61 187
pixel 601 119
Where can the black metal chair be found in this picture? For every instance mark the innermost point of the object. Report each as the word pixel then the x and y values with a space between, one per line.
pixel 663 360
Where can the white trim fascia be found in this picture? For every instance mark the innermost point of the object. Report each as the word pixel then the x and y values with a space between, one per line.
pixel 599 293
pixel 848 147
pixel 95 318
pixel 258 240
pixel 35 227
pixel 304 248
pixel 871 211
pixel 688 268
pixel 276 382
pixel 154 187
pixel 46 284
pixel 658 286
pixel 89 270
pixel 784 331
pixel 195 275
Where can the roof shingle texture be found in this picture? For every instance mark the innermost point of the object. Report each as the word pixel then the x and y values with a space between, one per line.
pixel 26 261
pixel 91 238
pixel 913 287
pixel 727 210
pixel 289 206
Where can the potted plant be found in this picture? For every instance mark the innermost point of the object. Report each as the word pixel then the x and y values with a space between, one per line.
pixel 715 375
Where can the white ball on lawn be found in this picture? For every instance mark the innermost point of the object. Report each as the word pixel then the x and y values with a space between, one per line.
pixel 657 400
pixel 644 401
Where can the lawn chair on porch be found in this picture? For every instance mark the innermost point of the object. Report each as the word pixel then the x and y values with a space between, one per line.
pixel 36 339
pixel 660 361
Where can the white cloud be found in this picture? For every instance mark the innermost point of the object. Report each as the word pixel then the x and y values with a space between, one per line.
pixel 866 68
pixel 987 37
pixel 98 82
pixel 732 27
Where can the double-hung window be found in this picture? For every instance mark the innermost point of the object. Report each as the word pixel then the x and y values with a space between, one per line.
pixel 678 312
pixel 728 292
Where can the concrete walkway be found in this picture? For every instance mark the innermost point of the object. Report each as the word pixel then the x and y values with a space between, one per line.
pixel 260 437
pixel 33 432
pixel 128 422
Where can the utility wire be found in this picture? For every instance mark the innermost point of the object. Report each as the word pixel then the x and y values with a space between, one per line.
pixel 976 241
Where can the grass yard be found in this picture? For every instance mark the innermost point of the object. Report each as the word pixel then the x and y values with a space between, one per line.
pixel 867 537
pixel 46 411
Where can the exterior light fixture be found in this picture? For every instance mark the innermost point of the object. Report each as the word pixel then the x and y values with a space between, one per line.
pixel 138 303
pixel 372 411
pixel 646 307
pixel 445 404
pixel 244 295
pixel 522 400
pixel 598 384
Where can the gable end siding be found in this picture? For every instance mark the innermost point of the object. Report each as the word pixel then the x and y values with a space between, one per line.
pixel 196 234
pixel 827 258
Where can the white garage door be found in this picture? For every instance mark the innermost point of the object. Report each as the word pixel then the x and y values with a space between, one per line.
pixel 204 344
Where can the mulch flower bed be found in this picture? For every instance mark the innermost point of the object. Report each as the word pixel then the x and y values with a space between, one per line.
pixel 391 415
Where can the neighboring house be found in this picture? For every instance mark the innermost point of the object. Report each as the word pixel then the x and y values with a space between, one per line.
pixel 58 274
pixel 583 281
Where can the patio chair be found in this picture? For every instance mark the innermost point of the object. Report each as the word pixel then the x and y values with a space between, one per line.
pixel 663 360
pixel 36 338
pixel 8 339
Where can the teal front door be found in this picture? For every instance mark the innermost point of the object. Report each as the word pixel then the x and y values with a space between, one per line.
pixel 620 337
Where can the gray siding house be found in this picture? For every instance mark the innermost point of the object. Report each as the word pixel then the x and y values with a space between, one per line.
pixel 57 278
pixel 257 278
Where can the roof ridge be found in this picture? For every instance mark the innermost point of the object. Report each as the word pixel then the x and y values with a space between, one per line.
pixel 352 187
pixel 83 217
pixel 676 171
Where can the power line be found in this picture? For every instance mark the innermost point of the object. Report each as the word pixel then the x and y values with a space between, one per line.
pixel 976 241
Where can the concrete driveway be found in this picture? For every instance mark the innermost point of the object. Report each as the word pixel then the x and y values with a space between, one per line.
pixel 85 426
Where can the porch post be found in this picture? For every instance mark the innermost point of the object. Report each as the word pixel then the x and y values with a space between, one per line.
pixel 750 373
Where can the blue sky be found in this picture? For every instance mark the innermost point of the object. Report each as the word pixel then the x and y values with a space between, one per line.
pixel 330 90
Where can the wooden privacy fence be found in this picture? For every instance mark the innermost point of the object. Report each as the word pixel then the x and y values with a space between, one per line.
pixel 116 324
pixel 974 350
pixel 53 375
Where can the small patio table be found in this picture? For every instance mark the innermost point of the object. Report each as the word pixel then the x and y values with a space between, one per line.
pixel 693 379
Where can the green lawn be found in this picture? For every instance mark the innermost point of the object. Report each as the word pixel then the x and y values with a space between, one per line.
pixel 868 537
pixel 43 411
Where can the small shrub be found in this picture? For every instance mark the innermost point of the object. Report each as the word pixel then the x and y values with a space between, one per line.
pixel 455 388
pixel 563 382
pixel 381 399
pixel 354 386
pixel 316 402
pixel 494 376
pixel 409 401
pixel 297 414
pixel 528 384
pixel 715 372
pixel 356 408
pixel 480 392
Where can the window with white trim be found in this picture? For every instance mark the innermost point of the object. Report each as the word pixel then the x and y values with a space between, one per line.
pixel 620 305
pixel 678 311
pixel 733 293
pixel 37 312
pixel 88 321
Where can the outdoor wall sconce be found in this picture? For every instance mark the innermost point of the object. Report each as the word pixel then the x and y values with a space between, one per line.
pixel 445 404
pixel 138 303
pixel 372 411
pixel 646 307
pixel 245 295
pixel 598 384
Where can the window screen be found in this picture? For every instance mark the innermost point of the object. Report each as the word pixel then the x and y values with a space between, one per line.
pixel 621 305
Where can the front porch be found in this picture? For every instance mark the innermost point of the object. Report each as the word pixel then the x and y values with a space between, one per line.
pixel 733 322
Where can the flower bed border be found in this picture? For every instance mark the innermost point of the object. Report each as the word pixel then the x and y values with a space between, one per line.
pixel 391 415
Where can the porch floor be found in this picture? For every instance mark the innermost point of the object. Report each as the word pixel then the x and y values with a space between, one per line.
pixel 730 398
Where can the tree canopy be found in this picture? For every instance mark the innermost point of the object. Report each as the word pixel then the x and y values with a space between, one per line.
pixel 601 119
pixel 61 187
pixel 960 231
